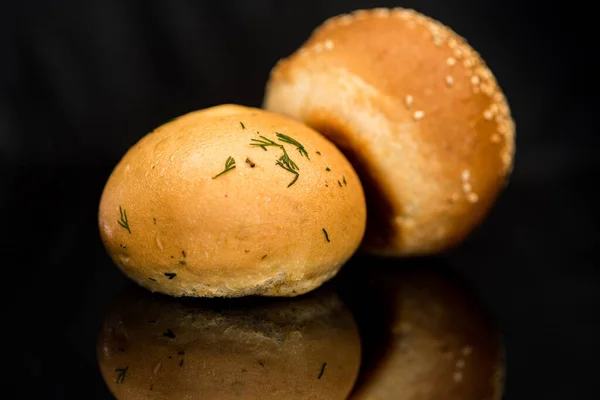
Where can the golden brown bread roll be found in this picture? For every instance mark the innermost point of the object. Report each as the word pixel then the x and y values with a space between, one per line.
pixel 425 335
pixel 417 112
pixel 232 201
pixel 157 347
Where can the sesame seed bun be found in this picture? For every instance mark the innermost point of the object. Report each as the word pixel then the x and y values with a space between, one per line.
pixel 417 112
pixel 208 205
pixel 158 347
pixel 425 335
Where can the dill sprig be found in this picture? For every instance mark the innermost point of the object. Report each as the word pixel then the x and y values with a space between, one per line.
pixel 322 370
pixel 121 376
pixel 286 139
pixel 264 142
pixel 124 222
pixel 284 161
pixel 242 124
pixel 326 235
pixel 229 165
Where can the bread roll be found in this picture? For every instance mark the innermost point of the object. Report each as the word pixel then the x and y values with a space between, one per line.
pixel 425 335
pixel 157 347
pixel 232 201
pixel 417 112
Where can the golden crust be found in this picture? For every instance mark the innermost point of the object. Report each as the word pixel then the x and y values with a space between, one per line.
pixel 244 232
pixel 419 114
pixel 261 349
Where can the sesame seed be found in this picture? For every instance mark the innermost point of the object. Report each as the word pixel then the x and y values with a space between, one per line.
pixel 506 159
pixel 418 115
pixel 400 12
pixel 487 89
pixel 458 53
pixel 449 80
pixel 437 40
pixel 488 115
pixel 345 19
pixel 495 138
pixel 458 377
pixel 468 63
pixel 460 363
pixel 381 12
pixel 361 14
pixel 329 44
pixel 472 197
pixel 408 100
pixel 450 61
pixel 466 174
pixel 467 350
pixel 452 43
pixel 467 187
pixel 475 80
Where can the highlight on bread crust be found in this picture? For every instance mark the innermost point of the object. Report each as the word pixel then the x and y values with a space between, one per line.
pixel 417 112
pixel 159 347
pixel 232 201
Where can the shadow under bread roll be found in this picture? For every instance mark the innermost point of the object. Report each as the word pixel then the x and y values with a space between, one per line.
pixel 425 335
pixel 155 347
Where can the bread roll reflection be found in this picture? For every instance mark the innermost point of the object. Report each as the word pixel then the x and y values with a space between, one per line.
pixel 155 347
pixel 425 336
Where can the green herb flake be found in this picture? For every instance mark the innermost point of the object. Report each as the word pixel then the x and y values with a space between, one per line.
pixel 340 183
pixel 327 169
pixel 318 152
pixel 171 275
pixel 229 165
pixel 152 279
pixel 326 235
pixel 284 161
pixel 124 222
pixel 169 333
pixel 242 124
pixel 322 370
pixel 286 139
pixel 344 180
pixel 121 375
pixel 182 262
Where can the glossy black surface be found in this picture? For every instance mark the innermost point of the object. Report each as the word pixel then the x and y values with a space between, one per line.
pixel 80 82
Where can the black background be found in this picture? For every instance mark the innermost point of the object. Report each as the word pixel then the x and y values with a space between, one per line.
pixel 81 81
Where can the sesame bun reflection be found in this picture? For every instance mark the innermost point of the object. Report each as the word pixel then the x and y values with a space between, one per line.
pixel 157 347
pixel 417 112
pixel 425 335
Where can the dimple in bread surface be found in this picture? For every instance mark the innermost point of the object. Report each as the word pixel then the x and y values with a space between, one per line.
pixel 419 114
pixel 194 209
